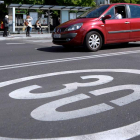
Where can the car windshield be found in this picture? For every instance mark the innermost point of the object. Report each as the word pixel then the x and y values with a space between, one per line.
pixel 94 12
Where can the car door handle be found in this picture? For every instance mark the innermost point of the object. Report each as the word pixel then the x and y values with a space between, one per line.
pixel 127 22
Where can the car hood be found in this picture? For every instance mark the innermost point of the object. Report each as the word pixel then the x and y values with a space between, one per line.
pixel 75 21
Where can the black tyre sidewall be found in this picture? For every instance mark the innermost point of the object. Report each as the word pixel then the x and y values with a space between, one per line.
pixel 125 43
pixel 87 39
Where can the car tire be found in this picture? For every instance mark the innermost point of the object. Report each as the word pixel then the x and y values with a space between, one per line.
pixel 125 43
pixel 93 41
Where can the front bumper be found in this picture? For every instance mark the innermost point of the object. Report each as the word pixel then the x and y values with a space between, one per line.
pixel 65 38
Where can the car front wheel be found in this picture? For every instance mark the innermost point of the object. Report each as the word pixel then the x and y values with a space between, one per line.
pixel 93 41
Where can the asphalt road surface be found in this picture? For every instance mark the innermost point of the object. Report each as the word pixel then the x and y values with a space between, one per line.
pixel 49 93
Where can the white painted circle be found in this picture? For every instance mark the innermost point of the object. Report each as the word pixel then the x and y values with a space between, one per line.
pixel 122 133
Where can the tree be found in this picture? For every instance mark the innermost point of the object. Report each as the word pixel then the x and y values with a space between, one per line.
pixel 24 1
pixel 87 3
pixel 76 2
pixel 50 2
pixel 137 1
pixel 125 1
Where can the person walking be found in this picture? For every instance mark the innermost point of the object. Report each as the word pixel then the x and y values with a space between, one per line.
pixel 28 24
pixel 6 25
pixel 38 27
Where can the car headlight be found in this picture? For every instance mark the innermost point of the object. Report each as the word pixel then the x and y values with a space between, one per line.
pixel 74 27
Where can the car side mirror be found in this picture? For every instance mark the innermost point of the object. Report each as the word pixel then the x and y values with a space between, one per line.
pixel 106 17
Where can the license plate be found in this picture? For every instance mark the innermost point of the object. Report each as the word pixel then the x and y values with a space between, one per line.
pixel 57 35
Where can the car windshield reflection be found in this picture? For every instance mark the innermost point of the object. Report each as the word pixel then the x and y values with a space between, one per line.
pixel 94 12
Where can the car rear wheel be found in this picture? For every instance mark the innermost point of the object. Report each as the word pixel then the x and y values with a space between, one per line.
pixel 93 41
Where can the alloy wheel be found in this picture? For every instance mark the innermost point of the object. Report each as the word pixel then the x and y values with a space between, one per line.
pixel 94 41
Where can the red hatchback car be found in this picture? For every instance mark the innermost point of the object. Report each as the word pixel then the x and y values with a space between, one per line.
pixel 113 23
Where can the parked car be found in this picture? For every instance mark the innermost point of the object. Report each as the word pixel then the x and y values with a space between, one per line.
pixel 99 26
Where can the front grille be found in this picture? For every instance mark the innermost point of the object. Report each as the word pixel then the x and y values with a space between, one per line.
pixel 60 30
pixel 59 39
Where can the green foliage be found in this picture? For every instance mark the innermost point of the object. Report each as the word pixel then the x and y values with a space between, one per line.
pixel 3 11
pixel 55 13
pixel 24 1
pixel 126 1
pixel 67 2
pixel 76 2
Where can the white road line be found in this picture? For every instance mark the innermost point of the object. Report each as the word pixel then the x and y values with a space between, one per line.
pixel 66 60
pixel 15 43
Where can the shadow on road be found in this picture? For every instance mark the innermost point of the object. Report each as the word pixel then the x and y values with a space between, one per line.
pixel 58 49
pixel 120 46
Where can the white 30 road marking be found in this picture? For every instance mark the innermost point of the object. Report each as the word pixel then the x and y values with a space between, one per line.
pixel 25 92
pixel 13 66
pixel 122 133
pixel 48 111
pixel 124 100
pixel 52 115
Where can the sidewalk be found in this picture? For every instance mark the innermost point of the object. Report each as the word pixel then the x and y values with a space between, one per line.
pixel 23 36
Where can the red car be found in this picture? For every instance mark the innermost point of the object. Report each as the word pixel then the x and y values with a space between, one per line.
pixel 112 23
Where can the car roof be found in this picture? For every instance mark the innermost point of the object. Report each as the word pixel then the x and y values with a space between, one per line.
pixel 113 4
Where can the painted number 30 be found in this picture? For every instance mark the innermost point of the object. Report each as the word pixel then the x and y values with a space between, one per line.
pixel 48 112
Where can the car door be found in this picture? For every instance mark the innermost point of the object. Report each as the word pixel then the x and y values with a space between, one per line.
pixel 135 21
pixel 117 30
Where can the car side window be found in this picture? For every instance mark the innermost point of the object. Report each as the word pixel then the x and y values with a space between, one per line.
pixel 135 11
pixel 117 12
pixel 111 12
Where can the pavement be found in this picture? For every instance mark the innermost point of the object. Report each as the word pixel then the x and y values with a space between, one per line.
pixel 23 36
